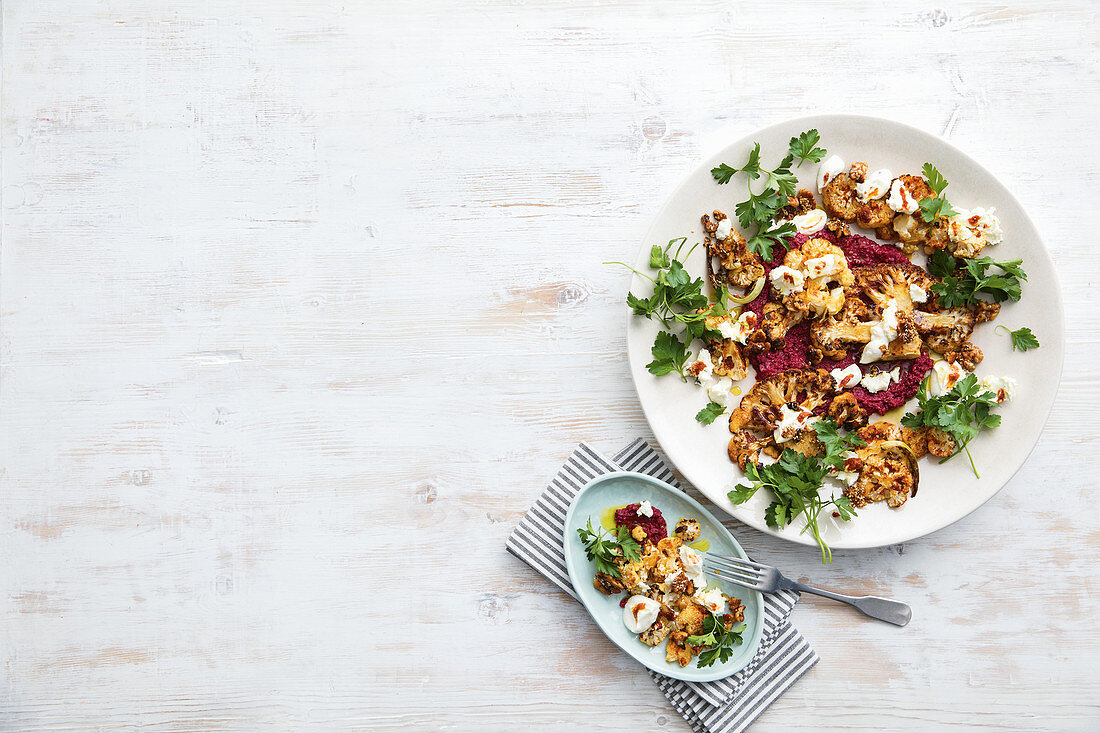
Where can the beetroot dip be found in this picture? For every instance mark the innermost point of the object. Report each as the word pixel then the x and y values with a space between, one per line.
pixel 795 354
pixel 654 526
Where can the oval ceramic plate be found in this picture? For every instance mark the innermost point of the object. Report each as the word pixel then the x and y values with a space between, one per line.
pixel 617 489
pixel 948 492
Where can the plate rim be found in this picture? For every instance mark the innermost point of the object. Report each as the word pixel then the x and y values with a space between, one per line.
pixel 804 122
pixel 720 673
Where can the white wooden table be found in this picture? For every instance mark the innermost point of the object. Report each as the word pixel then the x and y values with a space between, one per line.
pixel 302 303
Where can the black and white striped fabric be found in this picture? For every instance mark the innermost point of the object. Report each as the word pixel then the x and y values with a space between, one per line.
pixel 728 705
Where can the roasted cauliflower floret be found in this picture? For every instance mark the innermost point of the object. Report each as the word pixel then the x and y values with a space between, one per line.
pixel 678 650
pixel 926 440
pixel 656 633
pixel 607 584
pixel 887 467
pixel 777 321
pixel 745 448
pixel 726 354
pixel 687 529
pixel 831 336
pixel 846 411
pixel 760 408
pixel 884 282
pixel 691 618
pixel 947 329
pixel 729 261
pixel 839 197
pixel 874 214
pixel 804 441
pixel 827 274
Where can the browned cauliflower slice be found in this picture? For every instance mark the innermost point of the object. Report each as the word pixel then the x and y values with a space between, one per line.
pixel 887 467
pixel 726 354
pixel 831 336
pixel 884 282
pixel 827 275
pixel 678 650
pixel 926 440
pixel 760 408
pixel 777 321
pixel 691 618
pixel 687 529
pixel 745 448
pixel 945 330
pixel 839 197
pixel 805 442
pixel 729 261
pixel 846 411
pixel 874 214
pixel 656 633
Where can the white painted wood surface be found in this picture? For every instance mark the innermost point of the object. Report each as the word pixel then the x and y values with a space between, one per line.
pixel 302 303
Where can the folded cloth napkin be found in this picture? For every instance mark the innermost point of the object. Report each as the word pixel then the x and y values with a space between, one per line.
pixel 727 705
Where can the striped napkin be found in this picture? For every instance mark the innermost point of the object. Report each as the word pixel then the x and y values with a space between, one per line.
pixel 728 705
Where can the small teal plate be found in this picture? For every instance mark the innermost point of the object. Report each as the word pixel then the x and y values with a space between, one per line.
pixel 614 489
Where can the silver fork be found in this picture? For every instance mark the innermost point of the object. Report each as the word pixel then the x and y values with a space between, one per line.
pixel 767 579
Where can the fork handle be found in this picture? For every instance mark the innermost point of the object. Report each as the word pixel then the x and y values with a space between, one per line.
pixel 884 609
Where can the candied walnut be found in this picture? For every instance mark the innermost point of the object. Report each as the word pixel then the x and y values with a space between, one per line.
pixel 730 263
pixel 759 409
pixel 984 312
pixel 838 228
pixel 967 354
pixel 846 411
pixel 687 529
pixel 887 467
pixel 682 584
pixel 858 171
pixel 607 584
pixel 803 203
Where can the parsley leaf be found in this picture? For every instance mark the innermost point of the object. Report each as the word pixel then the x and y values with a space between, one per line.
pixel 1022 338
pixel 932 208
pixel 710 413
pixel 804 147
pixel 795 480
pixel 961 280
pixel 669 354
pixel 658 257
pixel 718 640
pixel 606 550
pixel 963 412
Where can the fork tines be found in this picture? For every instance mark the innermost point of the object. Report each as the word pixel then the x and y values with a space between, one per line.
pixel 735 570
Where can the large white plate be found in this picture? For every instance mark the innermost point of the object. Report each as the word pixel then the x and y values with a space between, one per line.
pixel 947 492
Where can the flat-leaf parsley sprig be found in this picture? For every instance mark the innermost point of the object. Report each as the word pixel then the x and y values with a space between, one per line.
pixel 604 549
pixel 1022 338
pixel 964 411
pixel 678 301
pixel 795 480
pixel 935 207
pixel 759 209
pixel 960 280
pixel 717 640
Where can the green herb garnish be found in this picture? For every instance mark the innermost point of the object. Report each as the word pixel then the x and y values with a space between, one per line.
pixel 796 480
pixel 1022 338
pixel 759 209
pixel 605 549
pixel 960 280
pixel 710 413
pixel 935 207
pixel 718 640
pixel 963 412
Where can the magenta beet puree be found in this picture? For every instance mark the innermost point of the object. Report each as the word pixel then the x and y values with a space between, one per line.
pixel 795 354
pixel 654 526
